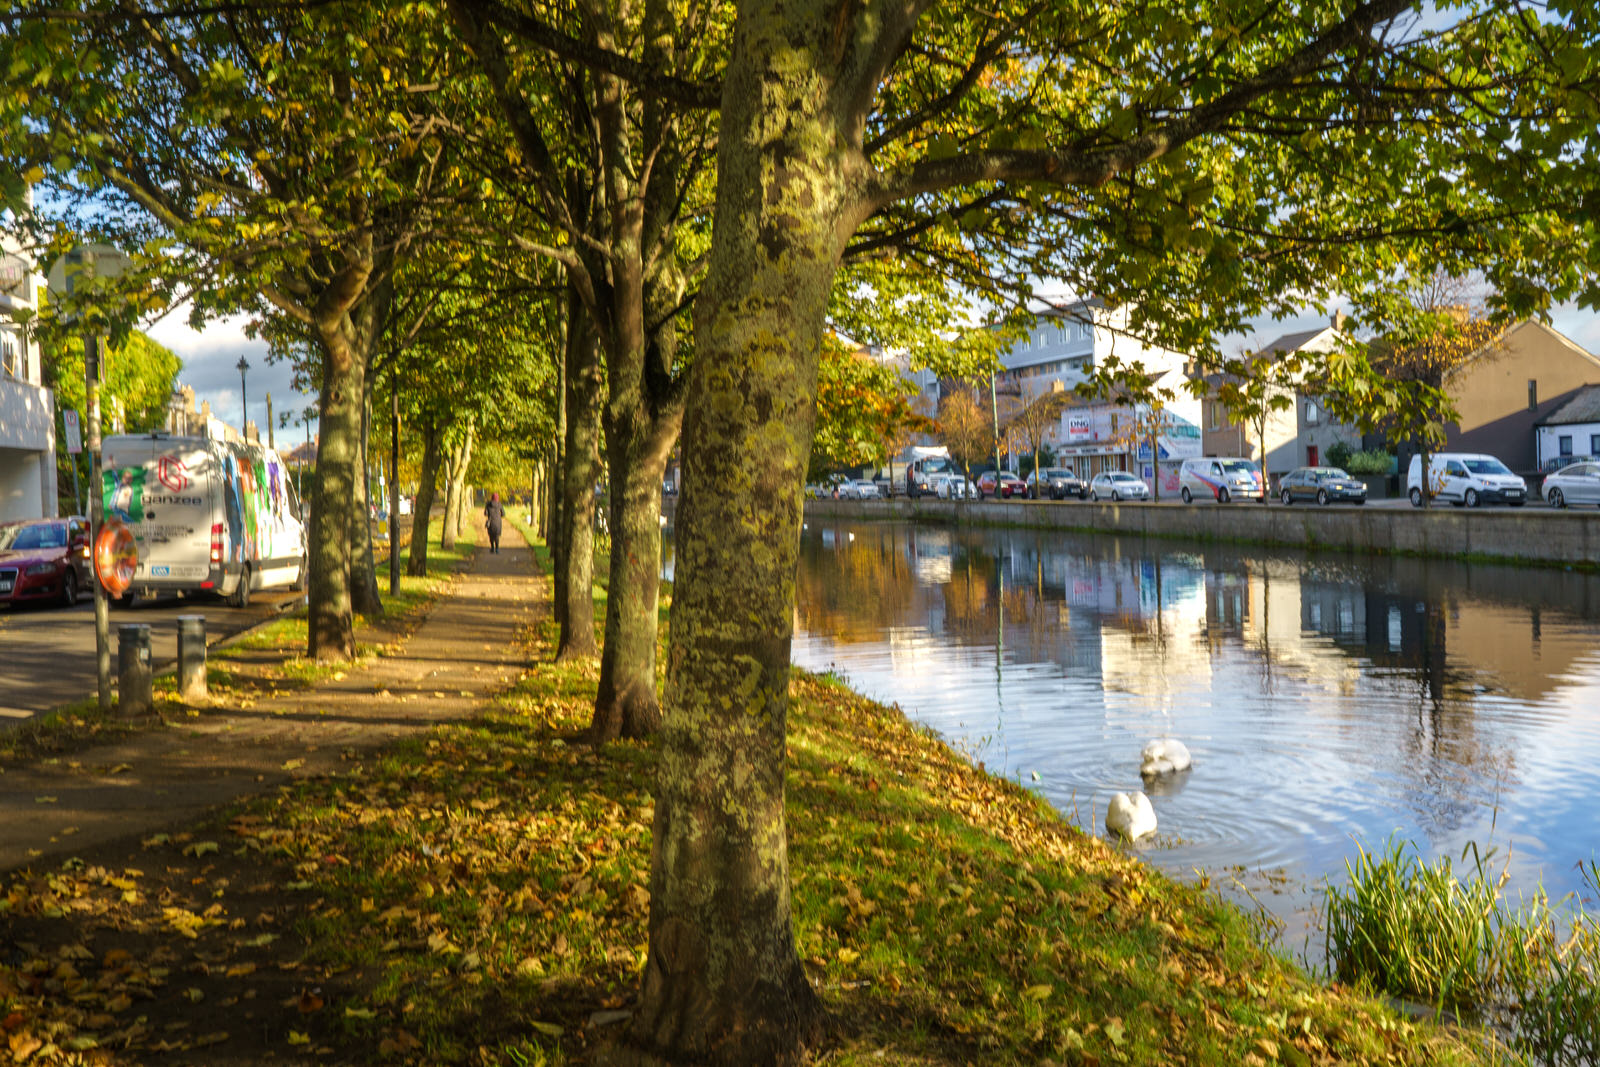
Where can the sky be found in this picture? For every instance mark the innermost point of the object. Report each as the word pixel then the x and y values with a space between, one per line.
pixel 210 365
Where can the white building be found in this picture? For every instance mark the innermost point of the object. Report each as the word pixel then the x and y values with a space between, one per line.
pixel 1063 347
pixel 27 408
pixel 1571 430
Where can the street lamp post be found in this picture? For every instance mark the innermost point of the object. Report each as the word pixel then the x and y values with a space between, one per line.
pixel 244 403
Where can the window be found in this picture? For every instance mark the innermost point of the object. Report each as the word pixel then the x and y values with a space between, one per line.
pixel 1564 444
pixel 1533 393
pixel 1594 444
pixel 9 358
pixel 1311 414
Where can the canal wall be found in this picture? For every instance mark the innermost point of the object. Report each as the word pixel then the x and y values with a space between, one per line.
pixel 1516 535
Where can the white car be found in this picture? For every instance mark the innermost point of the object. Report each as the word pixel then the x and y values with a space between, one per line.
pixel 1118 485
pixel 952 487
pixel 1466 479
pixel 858 489
pixel 1577 484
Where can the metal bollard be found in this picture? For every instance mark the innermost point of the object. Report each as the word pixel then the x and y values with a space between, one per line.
pixel 192 658
pixel 133 668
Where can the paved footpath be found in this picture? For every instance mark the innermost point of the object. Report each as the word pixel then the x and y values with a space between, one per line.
pixel 463 653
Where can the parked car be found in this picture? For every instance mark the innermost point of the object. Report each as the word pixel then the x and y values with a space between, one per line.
pixel 858 489
pixel 1118 485
pixel 1058 482
pixel 952 486
pixel 44 560
pixel 1466 479
pixel 1004 485
pixel 1222 478
pixel 1322 484
pixel 1577 484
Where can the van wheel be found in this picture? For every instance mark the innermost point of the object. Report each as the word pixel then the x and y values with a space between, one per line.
pixel 241 592
pixel 1222 496
pixel 1416 498
pixel 1187 499
pixel 1471 499
pixel 1094 496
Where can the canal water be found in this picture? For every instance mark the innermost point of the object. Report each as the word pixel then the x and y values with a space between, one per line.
pixel 1327 699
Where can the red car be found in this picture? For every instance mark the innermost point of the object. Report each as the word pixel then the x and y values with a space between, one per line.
pixel 44 560
pixel 1010 485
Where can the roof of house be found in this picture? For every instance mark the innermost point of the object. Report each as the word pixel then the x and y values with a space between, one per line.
pixel 1585 407
pixel 1291 342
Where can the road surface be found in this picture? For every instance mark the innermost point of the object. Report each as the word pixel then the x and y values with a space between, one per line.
pixel 47 652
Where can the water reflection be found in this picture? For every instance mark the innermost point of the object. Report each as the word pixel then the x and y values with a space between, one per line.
pixel 1324 697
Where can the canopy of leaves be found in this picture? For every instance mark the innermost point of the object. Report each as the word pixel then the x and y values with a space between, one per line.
pixel 863 408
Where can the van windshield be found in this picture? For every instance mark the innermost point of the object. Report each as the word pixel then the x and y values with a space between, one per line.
pixel 1238 466
pixel 1487 466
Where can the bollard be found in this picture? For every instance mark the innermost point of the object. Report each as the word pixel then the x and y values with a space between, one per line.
pixel 133 668
pixel 192 658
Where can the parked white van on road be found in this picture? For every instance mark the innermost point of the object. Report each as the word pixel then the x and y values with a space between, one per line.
pixel 207 516
pixel 1466 479
pixel 1220 478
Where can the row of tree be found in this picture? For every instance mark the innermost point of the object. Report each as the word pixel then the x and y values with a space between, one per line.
pixel 595 230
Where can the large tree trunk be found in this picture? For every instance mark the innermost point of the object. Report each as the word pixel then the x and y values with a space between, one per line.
pixel 723 983
pixel 575 574
pixel 422 507
pixel 454 471
pixel 330 629
pixel 464 491
pixel 637 446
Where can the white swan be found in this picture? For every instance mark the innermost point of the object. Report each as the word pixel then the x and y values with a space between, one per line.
pixel 1130 815
pixel 1163 756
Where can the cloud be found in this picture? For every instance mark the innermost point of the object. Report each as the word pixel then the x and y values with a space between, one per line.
pixel 210 366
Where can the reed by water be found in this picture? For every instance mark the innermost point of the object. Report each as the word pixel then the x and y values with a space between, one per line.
pixel 1446 934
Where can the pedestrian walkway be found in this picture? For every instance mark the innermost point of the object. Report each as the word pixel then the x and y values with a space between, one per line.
pixel 463 653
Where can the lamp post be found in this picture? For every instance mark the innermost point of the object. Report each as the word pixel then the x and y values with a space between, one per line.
pixel 244 403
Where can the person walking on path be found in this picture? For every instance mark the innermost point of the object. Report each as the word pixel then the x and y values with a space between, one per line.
pixel 493 515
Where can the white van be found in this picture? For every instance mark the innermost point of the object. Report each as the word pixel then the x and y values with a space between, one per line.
pixel 1466 479
pixel 1220 478
pixel 207 516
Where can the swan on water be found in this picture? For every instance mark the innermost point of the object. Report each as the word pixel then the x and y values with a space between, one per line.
pixel 1163 756
pixel 1130 815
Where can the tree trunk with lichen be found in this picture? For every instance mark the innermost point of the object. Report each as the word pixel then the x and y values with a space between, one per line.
pixel 723 983
pixel 422 507
pixel 580 467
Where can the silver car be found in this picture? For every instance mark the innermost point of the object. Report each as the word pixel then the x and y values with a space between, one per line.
pixel 953 487
pixel 1577 484
pixel 1118 485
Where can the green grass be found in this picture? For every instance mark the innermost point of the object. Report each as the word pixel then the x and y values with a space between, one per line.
pixel 1448 937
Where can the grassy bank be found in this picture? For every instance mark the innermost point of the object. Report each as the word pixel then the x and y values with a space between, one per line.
pixel 480 898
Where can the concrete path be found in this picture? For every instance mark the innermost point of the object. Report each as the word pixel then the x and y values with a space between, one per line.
pixel 464 652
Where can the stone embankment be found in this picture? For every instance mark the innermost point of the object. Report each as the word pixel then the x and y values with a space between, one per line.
pixel 1517 535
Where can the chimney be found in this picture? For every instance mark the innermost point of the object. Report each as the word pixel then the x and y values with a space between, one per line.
pixel 1339 319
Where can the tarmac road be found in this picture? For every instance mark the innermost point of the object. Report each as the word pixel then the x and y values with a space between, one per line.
pixel 47 652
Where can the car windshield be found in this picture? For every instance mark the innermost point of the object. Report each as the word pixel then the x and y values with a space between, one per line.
pixel 33 535
pixel 1057 472
pixel 1238 466
pixel 1120 476
pixel 1334 473
pixel 1487 466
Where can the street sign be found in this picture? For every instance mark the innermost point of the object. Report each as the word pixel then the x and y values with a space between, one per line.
pixel 73 434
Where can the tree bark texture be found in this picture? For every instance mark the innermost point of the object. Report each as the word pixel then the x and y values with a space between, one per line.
pixel 422 507
pixel 581 466
pixel 723 983
pixel 453 472
pixel 365 596
pixel 330 629
pixel 464 493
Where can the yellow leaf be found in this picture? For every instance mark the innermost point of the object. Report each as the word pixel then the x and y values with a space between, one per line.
pixel 297 1038
pixel 848 956
pixel 1037 992
pixel 293 764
